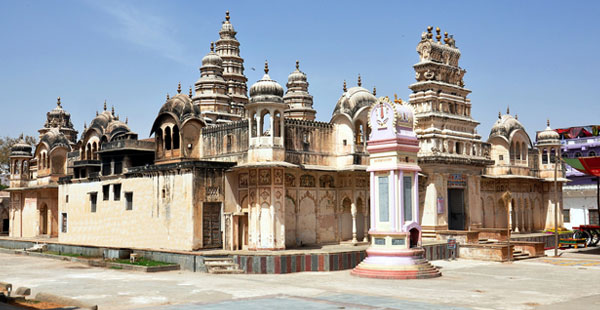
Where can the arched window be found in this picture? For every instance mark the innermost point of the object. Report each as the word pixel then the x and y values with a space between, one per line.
pixel 16 167
pixel 592 154
pixel 577 154
pixel 553 153
pixel 253 126
pixel 277 124
pixel 512 152
pixel 458 149
pixel 175 137
pixel 265 124
pixel 24 167
pixel 518 151
pixel 229 143
pixel 88 152
pixel 523 151
pixel 159 140
pixel 95 151
pixel 167 138
pixel 47 164
pixel 565 155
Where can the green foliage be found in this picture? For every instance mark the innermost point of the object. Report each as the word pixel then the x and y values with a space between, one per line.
pixel 5 144
pixel 142 262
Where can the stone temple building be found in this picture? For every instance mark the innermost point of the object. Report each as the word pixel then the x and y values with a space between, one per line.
pixel 237 168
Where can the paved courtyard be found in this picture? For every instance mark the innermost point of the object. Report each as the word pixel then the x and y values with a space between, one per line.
pixel 545 283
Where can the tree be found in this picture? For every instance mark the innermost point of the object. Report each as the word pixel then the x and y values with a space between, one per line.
pixel 5 144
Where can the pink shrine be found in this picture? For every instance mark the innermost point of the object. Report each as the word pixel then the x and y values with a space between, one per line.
pixel 395 251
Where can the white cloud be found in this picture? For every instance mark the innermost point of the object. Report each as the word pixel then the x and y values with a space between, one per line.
pixel 142 28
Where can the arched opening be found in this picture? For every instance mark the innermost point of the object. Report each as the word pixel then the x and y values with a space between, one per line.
pixel 44 220
pixel 553 153
pixel 414 237
pixel 95 151
pixel 253 126
pixel 544 156
pixel 15 167
pixel 229 143
pixel 88 152
pixel 592 154
pixel 577 154
pixel 518 151
pixel 46 161
pixel 458 148
pixel 512 153
pixel 360 219
pixel 358 133
pixel 501 220
pixel 158 135
pixel 175 137
pixel 168 144
pixel 523 151
pixel 265 124
pixel 346 219
pixel 277 124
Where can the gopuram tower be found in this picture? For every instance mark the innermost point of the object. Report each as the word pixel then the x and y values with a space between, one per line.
pixel 228 48
pixel 452 155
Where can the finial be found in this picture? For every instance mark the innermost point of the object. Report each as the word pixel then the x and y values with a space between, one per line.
pixel 446 37
pixel 266 67
pixel 438 36
pixel 548 122
pixel 499 115
pixel 84 125
pixel 297 64
pixel 227 15
pixel 104 104
pixel 112 110
pixel 429 34
pixel 359 81
pixel 126 119
pixel 397 100
pixel 374 91
pixel 96 112
pixel 516 116
pixel 179 88
pixel 212 46
pixel 345 89
pixel 168 96
pixel 190 92
pixel 507 109
pixel 429 28
pixel 58 101
pixel 117 117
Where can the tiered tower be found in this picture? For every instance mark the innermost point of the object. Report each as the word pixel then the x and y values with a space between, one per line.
pixel 228 48
pixel 299 101
pixel 451 154
pixel 61 119
pixel 211 91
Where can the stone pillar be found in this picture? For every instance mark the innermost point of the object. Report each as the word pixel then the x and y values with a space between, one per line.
pixel 511 212
pixel 516 210
pixel 366 222
pixel 353 211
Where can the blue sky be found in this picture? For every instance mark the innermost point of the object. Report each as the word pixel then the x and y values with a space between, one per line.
pixel 538 57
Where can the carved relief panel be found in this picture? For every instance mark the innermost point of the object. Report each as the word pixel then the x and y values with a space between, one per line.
pixel 264 177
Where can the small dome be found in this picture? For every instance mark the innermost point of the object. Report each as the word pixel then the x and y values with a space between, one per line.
pixel 115 128
pixel 212 59
pixel 227 30
pixel 505 126
pixel 21 148
pixel 53 138
pixel 353 100
pixel 297 76
pixel 101 121
pixel 548 136
pixel 181 106
pixel 58 117
pixel 266 90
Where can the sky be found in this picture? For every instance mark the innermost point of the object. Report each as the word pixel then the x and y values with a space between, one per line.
pixel 537 57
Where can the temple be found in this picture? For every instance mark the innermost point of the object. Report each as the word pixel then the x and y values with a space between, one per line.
pixel 251 169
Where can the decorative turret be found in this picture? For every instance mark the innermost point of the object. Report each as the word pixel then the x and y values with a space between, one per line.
pixel 20 154
pixel 211 91
pixel 299 101
pixel 548 144
pixel 265 113
pixel 228 48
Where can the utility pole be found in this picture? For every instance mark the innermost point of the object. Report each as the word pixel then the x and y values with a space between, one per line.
pixel 556 160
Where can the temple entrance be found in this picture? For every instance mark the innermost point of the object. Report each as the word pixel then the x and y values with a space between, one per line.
pixel 211 225
pixel 44 220
pixel 456 209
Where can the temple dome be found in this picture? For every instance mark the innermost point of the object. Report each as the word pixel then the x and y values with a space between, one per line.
pixel 548 136
pixel 53 138
pixel 505 126
pixel 266 89
pixel 21 148
pixel 212 59
pixel 353 100
pixel 180 106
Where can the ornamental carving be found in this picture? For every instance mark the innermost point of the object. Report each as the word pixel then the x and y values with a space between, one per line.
pixel 326 181
pixel 277 176
pixel 307 181
pixel 265 194
pixel 264 177
pixel 252 175
pixel 290 180
pixel 243 180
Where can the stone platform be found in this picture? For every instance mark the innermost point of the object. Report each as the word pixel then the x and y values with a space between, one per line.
pixel 396 264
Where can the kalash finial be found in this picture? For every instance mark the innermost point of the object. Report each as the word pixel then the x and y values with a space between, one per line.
pixel 297 64
pixel 374 91
pixel 548 122
pixel 507 109
pixel 446 37
pixel 104 104
pixel 126 120
pixel 168 96
pixel 112 110
pixel 429 34
pixel 345 89
pixel 438 36
pixel 84 125
pixel 516 116
pixel 58 101
pixel 227 15
pixel 179 88
pixel 397 100
pixel 499 115
pixel 359 81
pixel 190 92
pixel 266 67
pixel 212 46
pixel 96 112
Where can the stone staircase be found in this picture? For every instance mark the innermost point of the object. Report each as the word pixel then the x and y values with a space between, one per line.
pixel 222 265
pixel 519 255
pixel 487 241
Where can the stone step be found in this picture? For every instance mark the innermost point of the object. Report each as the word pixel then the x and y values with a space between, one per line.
pixel 226 271
pixel 217 259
